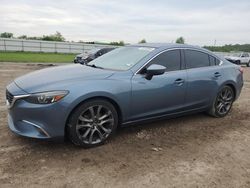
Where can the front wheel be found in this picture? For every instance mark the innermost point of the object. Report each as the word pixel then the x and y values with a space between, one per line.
pixel 248 64
pixel 237 62
pixel 223 102
pixel 92 123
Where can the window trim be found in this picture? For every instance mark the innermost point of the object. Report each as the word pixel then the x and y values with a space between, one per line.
pixel 183 60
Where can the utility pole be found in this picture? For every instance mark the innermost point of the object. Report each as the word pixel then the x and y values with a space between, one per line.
pixel 215 42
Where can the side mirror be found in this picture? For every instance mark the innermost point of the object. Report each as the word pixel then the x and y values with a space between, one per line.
pixel 153 70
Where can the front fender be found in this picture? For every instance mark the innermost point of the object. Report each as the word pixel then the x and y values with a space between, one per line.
pixel 118 91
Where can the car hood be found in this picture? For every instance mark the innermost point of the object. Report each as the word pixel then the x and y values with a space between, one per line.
pixel 46 79
pixel 232 57
pixel 84 55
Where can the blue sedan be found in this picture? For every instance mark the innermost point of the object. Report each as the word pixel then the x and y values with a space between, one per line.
pixel 135 83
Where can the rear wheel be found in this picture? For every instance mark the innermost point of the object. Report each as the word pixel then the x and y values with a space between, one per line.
pixel 248 64
pixel 223 102
pixel 92 123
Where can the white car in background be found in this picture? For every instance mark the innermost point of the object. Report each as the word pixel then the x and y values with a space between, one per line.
pixel 239 58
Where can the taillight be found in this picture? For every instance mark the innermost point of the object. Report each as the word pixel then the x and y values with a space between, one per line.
pixel 241 70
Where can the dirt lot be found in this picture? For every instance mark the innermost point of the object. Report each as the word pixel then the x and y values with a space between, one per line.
pixel 192 151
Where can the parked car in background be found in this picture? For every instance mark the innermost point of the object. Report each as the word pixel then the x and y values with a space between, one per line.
pixel 130 84
pixel 92 54
pixel 242 58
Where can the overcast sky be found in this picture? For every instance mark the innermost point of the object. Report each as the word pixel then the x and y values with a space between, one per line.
pixel 200 22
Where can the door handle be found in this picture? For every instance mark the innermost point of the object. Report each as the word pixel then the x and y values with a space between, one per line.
pixel 179 81
pixel 217 74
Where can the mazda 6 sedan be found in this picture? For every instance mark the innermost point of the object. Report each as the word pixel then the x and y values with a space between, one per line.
pixel 131 84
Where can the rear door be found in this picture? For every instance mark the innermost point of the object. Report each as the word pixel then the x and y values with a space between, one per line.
pixel 204 75
pixel 163 93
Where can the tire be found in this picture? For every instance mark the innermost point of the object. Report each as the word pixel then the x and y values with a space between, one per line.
pixel 96 117
pixel 248 64
pixel 238 62
pixel 222 104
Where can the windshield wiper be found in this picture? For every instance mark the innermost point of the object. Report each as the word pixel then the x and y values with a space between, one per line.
pixel 94 66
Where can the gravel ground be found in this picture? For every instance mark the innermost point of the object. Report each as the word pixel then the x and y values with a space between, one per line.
pixel 191 151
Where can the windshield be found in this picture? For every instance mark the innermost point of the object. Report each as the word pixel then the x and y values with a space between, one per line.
pixel 93 51
pixel 235 54
pixel 122 58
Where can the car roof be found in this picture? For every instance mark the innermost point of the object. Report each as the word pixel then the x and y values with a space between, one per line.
pixel 165 45
pixel 170 45
pixel 107 48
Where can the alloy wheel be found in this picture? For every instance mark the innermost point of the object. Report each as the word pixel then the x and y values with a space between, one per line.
pixel 95 124
pixel 224 101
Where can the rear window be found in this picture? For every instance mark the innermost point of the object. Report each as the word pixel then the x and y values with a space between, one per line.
pixel 196 59
pixel 245 55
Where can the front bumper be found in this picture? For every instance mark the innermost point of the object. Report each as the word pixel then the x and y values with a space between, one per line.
pixel 36 120
pixel 28 129
pixel 78 60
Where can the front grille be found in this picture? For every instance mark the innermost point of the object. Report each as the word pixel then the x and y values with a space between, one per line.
pixel 9 97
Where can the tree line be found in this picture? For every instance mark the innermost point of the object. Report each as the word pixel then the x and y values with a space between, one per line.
pixel 53 37
pixel 59 37
pixel 230 48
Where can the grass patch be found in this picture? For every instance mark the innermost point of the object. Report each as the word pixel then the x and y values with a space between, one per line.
pixel 36 57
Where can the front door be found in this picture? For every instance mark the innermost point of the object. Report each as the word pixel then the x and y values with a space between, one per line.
pixel 163 93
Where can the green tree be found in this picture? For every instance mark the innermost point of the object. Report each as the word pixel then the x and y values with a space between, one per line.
pixel 180 40
pixel 23 37
pixel 230 48
pixel 55 37
pixel 120 43
pixel 143 41
pixel 6 35
pixel 35 38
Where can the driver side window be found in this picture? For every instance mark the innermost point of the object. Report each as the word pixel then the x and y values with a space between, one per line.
pixel 169 59
pixel 245 55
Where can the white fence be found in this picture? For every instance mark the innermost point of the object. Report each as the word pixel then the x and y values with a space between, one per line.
pixel 7 44
pixel 223 54
pixel 23 45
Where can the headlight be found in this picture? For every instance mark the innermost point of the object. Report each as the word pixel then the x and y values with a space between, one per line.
pixel 46 97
